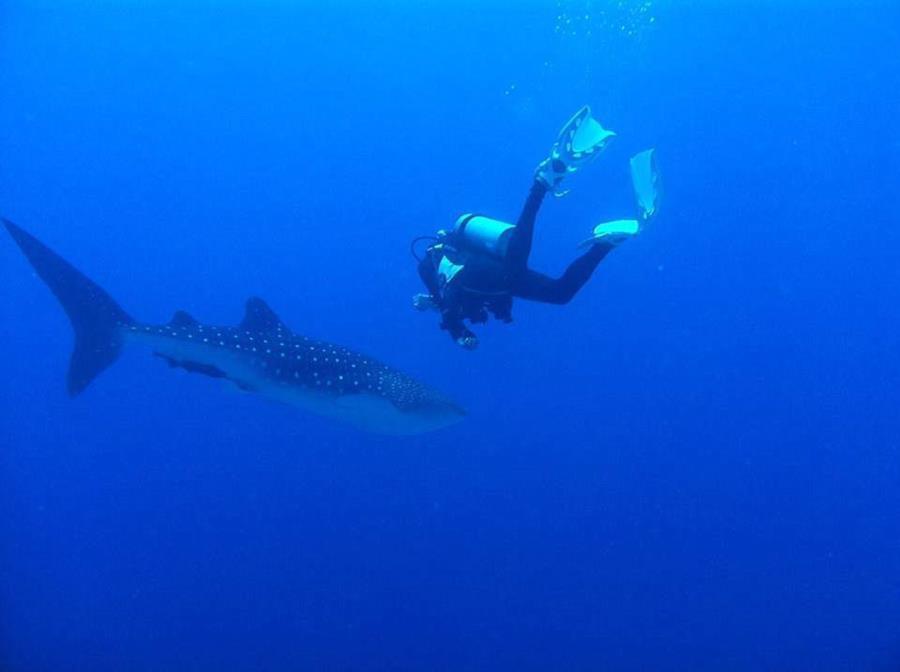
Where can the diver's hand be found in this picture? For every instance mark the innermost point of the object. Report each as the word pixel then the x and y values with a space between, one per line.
pixel 467 342
pixel 424 302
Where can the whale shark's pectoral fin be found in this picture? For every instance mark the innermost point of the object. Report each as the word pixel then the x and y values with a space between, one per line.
pixel 259 317
pixel 233 386
pixel 205 370
pixel 193 367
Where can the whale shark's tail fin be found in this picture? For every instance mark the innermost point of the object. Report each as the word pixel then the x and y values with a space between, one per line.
pixel 95 316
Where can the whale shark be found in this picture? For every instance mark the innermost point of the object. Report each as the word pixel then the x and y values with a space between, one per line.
pixel 260 355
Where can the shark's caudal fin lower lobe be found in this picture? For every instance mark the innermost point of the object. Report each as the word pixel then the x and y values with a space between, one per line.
pixel 95 316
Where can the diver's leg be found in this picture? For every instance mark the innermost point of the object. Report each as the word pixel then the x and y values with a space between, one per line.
pixel 520 240
pixel 579 142
pixel 536 286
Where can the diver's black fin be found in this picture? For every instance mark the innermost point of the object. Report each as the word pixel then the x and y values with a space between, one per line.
pixel 182 319
pixel 259 317
pixel 93 313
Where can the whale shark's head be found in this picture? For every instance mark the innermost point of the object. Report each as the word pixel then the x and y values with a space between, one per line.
pixel 423 410
pixel 435 414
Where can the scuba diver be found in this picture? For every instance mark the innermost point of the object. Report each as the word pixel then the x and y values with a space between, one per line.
pixel 482 264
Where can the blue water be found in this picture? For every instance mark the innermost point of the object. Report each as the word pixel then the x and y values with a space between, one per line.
pixel 693 466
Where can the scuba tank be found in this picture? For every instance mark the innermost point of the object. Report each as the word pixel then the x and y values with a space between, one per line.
pixel 476 233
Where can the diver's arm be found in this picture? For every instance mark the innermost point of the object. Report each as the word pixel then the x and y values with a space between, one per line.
pixel 452 313
pixel 452 319
pixel 428 274
pixel 456 328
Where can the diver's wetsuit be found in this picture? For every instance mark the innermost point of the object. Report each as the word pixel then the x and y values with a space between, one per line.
pixel 487 284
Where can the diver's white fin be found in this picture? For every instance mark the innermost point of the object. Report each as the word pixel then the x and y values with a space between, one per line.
pixel 613 232
pixel 645 179
pixel 580 141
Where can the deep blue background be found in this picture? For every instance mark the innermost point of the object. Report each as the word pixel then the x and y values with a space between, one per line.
pixel 695 465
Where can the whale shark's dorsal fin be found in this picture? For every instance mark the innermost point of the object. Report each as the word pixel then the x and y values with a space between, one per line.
pixel 182 319
pixel 259 317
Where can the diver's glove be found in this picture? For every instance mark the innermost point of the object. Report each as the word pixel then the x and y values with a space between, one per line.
pixel 468 342
pixel 579 142
pixel 424 302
